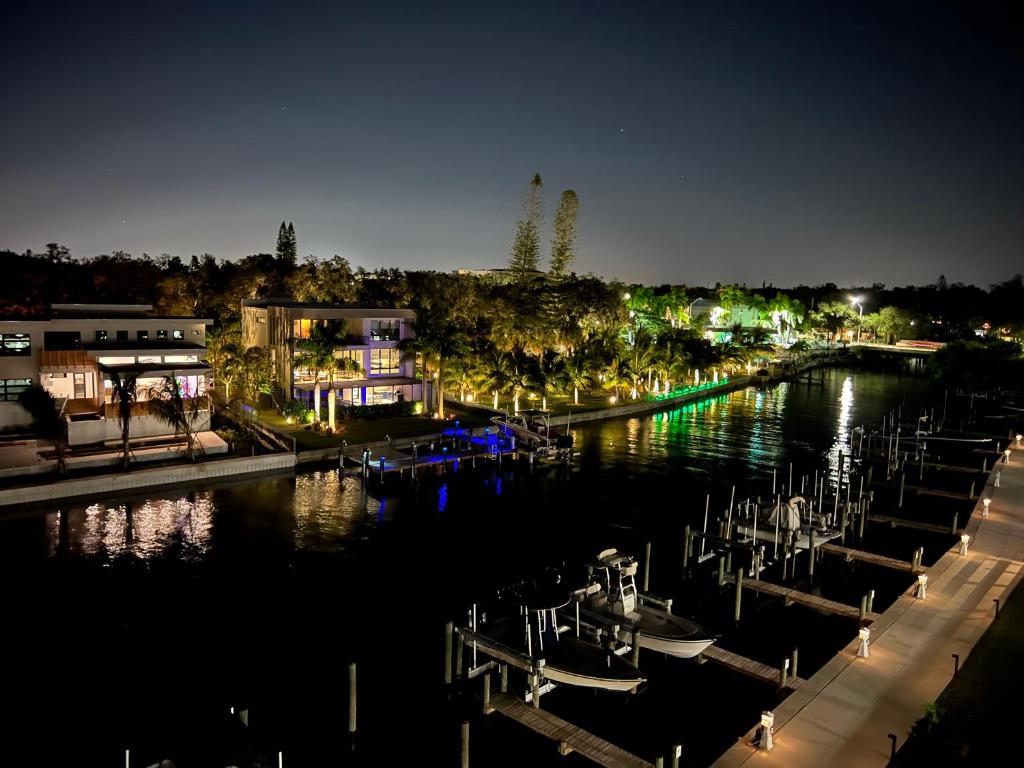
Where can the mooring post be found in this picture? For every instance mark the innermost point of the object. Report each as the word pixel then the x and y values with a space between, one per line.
pixel 956 521
pixel 647 567
pixel 811 551
pixel 739 593
pixel 782 674
pixel 721 570
pixel 458 656
pixel 903 478
pixel 863 608
pixel 503 673
pixel 796 656
pixel 659 762
pixel 984 465
pixel 487 693
pixel 636 647
pixel 871 600
pixel 464 763
pixel 448 628
pixel 535 688
pixel 677 752
pixel 863 518
pixel 686 548
pixel 971 495
pixel 352 697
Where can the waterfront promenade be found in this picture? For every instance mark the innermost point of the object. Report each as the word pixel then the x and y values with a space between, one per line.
pixel 843 715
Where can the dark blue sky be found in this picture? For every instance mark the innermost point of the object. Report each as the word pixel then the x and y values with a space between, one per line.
pixel 730 141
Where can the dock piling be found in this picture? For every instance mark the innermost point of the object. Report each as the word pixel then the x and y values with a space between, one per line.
pixel 352 697
pixel 677 752
pixel 739 594
pixel 871 600
pixel 464 762
pixel 487 693
pixel 503 672
pixel 796 656
pixel 902 481
pixel 647 567
pixel 811 551
pixel 687 537
pixel 448 628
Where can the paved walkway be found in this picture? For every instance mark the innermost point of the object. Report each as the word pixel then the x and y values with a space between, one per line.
pixel 843 714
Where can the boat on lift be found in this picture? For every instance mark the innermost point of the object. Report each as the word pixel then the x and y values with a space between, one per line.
pixel 611 597
pixel 533 427
pixel 780 523
pixel 526 624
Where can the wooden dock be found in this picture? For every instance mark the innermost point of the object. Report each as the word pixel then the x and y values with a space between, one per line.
pixel 569 737
pixel 747 666
pixel 871 557
pixel 899 522
pixel 816 602
pixel 920 491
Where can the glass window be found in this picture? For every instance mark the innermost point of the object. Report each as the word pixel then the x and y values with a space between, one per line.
pixel 178 334
pixel 16 344
pixel 62 340
pixel 349 354
pixel 384 361
pixel 197 331
pixel 11 388
pixel 142 335
pixel 122 335
pixel 300 328
pixel 384 330
pixel 161 334
pixel 101 335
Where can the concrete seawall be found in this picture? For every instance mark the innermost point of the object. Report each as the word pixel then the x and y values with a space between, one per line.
pixel 104 485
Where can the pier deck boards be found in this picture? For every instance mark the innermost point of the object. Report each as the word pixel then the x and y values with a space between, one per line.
pixel 568 736
pixel 816 602
pixel 899 522
pixel 870 557
pixel 920 491
pixel 749 667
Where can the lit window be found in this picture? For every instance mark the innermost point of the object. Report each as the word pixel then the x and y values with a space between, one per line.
pixel 15 344
pixel 385 361
pixel 178 334
pixel 161 334
pixel 142 335
pixel 11 388
pixel 101 335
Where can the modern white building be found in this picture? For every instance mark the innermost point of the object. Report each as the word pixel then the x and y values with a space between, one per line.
pixel 72 353
pixel 372 340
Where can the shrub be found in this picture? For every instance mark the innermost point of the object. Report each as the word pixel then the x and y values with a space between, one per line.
pixel 382 411
pixel 296 411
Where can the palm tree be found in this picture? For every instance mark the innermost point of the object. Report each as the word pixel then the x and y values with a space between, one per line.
pixel 170 404
pixel 124 392
pixel 438 339
pixel 497 372
pixel 619 374
pixel 47 422
pixel 522 374
pixel 577 372
pixel 331 367
pixel 317 354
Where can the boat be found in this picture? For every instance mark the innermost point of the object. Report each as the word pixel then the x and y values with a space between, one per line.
pixel 525 624
pixel 533 427
pixel 778 523
pixel 611 598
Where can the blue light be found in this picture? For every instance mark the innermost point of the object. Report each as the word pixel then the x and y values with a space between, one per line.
pixel 442 498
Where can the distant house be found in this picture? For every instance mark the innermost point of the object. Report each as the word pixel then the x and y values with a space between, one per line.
pixel 72 353
pixel 373 336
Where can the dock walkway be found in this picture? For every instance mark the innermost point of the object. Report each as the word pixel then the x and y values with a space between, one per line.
pixel 842 715
pixel 899 522
pixel 816 602
pixel 871 557
pixel 568 736
pixel 749 667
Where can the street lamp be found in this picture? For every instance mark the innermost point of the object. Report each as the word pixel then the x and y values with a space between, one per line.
pixel 857 300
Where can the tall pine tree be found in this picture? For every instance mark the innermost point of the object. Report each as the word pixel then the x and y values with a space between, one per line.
pixel 287 246
pixel 564 242
pixel 525 256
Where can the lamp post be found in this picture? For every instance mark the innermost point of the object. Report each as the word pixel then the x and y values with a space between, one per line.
pixel 860 322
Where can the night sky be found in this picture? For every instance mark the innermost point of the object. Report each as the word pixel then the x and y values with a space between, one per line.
pixel 720 141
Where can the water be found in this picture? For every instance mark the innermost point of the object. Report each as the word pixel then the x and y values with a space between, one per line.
pixel 138 621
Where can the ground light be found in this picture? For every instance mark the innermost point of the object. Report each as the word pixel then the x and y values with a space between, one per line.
pixel 764 739
pixel 965 539
pixel 865 637
pixel 986 503
pixel 922 587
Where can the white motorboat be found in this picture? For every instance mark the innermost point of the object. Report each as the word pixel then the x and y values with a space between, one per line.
pixel 785 523
pixel 611 597
pixel 533 428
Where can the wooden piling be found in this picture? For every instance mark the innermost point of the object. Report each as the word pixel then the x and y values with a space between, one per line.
pixel 458 656
pixel 352 697
pixel 487 693
pixel 956 520
pixel 783 669
pixel 686 547
pixel 871 600
pixel 636 647
pixel 739 594
pixel 647 567
pixel 811 552
pixel 448 628
pixel 863 608
pixel 721 570
pixel 464 762
pixel 902 480
pixel 796 656
pixel 503 673
pixel 677 751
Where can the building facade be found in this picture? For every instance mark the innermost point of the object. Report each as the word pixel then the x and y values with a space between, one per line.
pixel 73 352
pixel 372 337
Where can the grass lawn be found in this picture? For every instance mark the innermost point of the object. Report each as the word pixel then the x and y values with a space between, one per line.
pixel 558 405
pixel 365 430
pixel 977 713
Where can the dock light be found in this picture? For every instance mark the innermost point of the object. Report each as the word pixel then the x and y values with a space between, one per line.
pixel 965 539
pixel 1006 456
pixel 613 399
pixel 985 504
pixel 865 637
pixel 764 734
pixel 1019 436
pixel 626 297
pixel 469 398
pixel 922 586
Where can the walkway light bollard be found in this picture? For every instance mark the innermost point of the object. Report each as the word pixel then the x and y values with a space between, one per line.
pixel 863 650
pixel 922 586
pixel 965 540
pixel 985 504
pixel 763 739
pixel 659 762
pixel 995 481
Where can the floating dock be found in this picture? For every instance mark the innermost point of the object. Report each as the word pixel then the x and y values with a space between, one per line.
pixel 899 522
pixel 569 737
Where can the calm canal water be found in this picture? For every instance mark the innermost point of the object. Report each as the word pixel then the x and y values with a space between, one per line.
pixel 138 621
